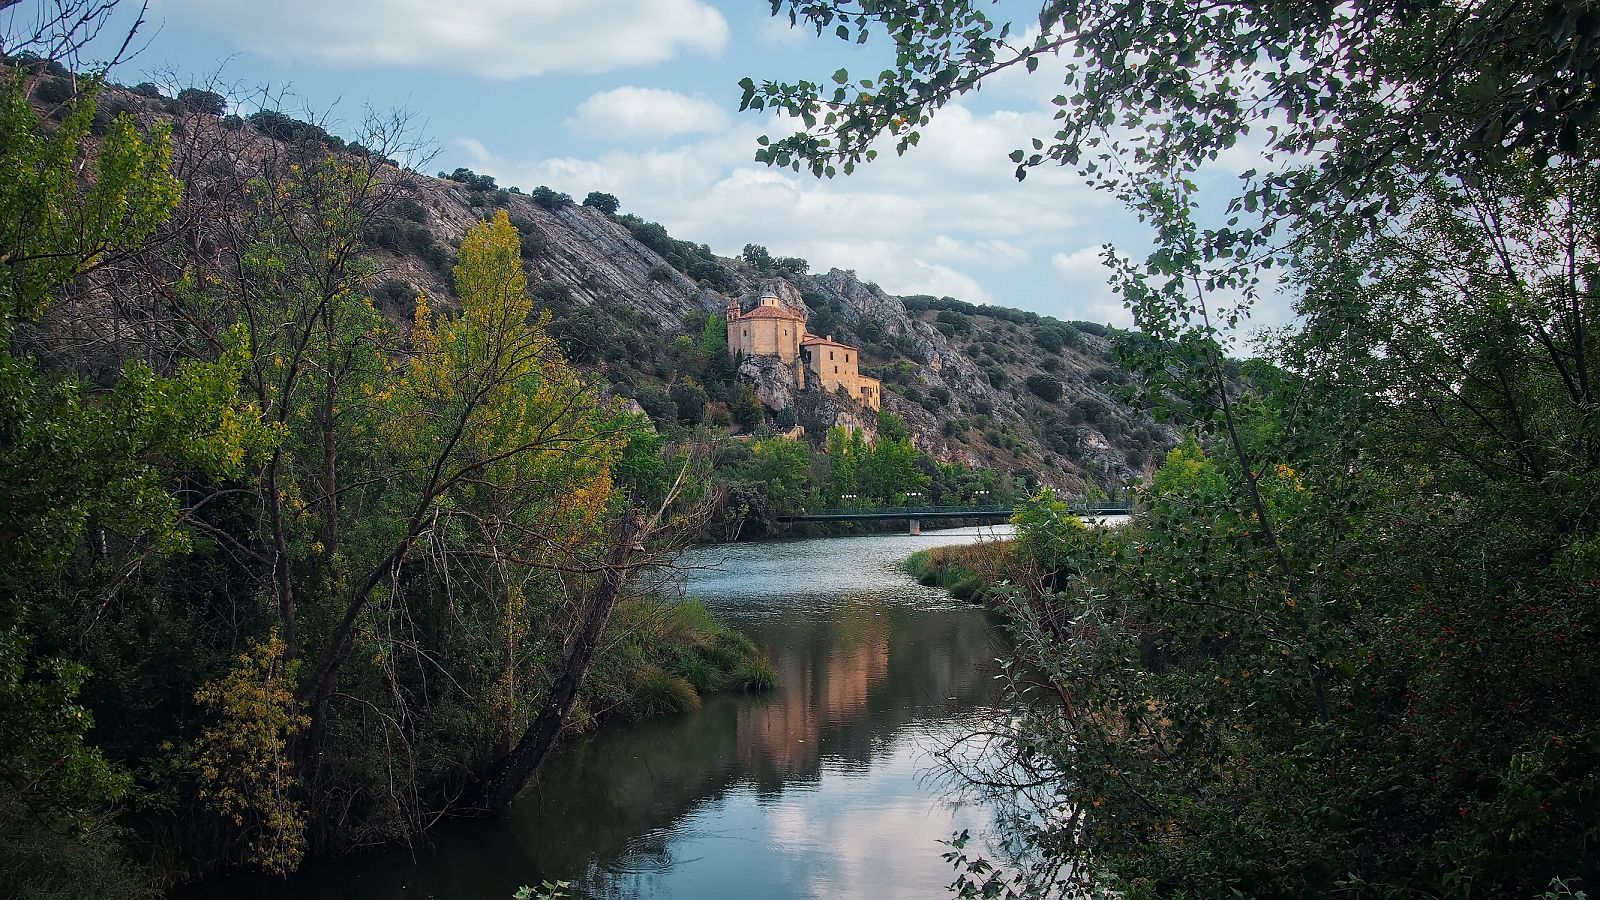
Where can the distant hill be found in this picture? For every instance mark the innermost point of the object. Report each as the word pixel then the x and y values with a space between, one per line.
pixel 983 385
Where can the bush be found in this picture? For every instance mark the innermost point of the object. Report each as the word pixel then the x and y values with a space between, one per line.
pixel 547 198
pixel 148 89
pixel 658 693
pixel 276 125
pixel 395 298
pixel 197 100
pixel 606 203
pixel 1045 387
pixel 474 182
pixel 661 272
pixel 52 91
pixel 533 239
pixel 410 209
pixel 691 401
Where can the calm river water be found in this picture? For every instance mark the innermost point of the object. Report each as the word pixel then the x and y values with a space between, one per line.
pixel 826 788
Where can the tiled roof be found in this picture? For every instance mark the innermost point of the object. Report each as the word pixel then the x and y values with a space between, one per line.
pixel 811 340
pixel 772 312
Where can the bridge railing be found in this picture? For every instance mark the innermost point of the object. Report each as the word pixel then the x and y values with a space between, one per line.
pixel 910 511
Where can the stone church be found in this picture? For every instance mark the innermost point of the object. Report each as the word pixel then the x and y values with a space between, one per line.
pixel 772 329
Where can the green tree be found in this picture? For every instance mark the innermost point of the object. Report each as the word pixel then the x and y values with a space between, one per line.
pixel 757 257
pixel 606 203
pixel 79 460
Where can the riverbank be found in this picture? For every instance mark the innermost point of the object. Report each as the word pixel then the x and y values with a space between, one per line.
pixel 969 572
pixel 820 787
pixel 665 658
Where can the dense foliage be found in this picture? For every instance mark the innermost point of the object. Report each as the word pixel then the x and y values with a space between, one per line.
pixel 1347 646
pixel 281 574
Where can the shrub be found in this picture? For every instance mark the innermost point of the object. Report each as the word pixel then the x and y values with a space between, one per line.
pixel 276 125
pixel 54 90
pixel 395 298
pixel 658 693
pixel 474 182
pixel 550 199
pixel 533 239
pixel 691 401
pixel 606 203
pixel 197 100
pixel 755 677
pixel 148 89
pixel 661 272
pixel 1045 387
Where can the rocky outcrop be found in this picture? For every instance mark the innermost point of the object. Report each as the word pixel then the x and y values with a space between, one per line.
pixel 622 310
pixel 773 380
pixel 819 411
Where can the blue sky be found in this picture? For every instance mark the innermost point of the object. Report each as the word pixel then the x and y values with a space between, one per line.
pixel 640 98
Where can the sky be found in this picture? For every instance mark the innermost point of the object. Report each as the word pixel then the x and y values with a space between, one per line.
pixel 639 98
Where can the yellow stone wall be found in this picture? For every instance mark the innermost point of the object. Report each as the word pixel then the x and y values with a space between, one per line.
pixel 836 366
pixel 766 337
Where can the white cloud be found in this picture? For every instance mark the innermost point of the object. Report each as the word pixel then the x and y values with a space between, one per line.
pixel 777 30
pixel 494 38
pixel 992 251
pixel 948 218
pixel 636 113
pixel 1086 292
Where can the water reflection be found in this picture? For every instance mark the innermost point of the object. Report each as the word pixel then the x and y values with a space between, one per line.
pixel 824 789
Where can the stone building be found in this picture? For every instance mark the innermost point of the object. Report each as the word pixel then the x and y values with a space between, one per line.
pixel 834 365
pixel 772 329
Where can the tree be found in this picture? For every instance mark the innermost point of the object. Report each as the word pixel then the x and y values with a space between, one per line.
pixel 691 400
pixel 606 203
pixel 79 459
pixel 757 256
pixel 550 199
pixel 199 100
pixel 1203 642
pixel 793 265
pixel 1045 387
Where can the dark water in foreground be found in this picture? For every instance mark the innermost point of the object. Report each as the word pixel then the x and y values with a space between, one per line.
pixel 827 788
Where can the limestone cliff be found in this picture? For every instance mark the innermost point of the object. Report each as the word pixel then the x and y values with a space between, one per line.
pixel 986 386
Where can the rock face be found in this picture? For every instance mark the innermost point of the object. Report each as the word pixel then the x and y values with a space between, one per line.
pixel 939 383
pixel 818 411
pixel 961 376
pixel 981 385
pixel 773 380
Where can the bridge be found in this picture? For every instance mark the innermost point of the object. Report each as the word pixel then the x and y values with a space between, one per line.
pixel 916 515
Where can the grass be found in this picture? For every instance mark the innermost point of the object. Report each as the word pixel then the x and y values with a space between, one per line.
pixel 667 656
pixel 968 571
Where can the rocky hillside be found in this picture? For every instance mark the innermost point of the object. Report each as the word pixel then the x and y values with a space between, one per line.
pixel 987 386
pixel 984 385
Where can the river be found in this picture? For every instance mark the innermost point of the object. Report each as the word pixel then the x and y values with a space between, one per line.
pixel 826 788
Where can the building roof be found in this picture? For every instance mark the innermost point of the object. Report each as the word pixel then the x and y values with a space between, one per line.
pixel 772 312
pixel 810 340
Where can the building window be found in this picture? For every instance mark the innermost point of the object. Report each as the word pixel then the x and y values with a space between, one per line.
pixel 835 370
pixel 830 354
pixel 847 357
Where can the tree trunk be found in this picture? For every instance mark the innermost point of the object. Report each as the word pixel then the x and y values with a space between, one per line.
pixel 512 771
